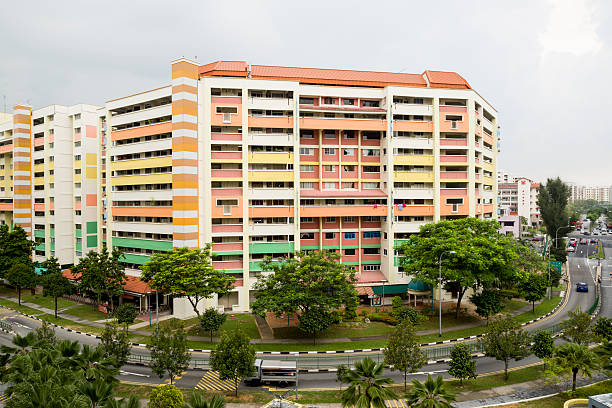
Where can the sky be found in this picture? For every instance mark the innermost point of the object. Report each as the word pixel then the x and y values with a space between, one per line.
pixel 544 65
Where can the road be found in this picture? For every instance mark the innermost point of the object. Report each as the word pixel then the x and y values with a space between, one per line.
pixel 581 269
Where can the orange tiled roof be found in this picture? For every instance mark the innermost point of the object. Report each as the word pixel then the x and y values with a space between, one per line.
pixel 133 284
pixel 437 79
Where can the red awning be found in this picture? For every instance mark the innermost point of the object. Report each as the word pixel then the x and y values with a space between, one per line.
pixel 133 284
pixel 364 290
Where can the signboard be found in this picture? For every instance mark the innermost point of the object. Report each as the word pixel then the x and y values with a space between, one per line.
pixel 555 265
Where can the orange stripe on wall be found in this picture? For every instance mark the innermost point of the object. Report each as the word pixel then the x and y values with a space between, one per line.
pixel 148 130
pixel 184 88
pixel 142 211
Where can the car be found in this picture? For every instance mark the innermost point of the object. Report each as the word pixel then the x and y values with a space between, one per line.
pixel 586 233
pixel 573 240
pixel 583 241
pixel 571 249
pixel 595 232
pixel 604 232
pixel 582 287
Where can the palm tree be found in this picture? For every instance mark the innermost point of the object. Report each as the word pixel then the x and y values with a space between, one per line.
pixel 197 400
pixel 22 343
pixel 605 353
pixel 132 402
pixel 97 392
pixel 366 388
pixel 574 358
pixel 430 394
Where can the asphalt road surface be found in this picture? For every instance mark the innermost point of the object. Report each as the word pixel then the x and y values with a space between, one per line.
pixel 581 269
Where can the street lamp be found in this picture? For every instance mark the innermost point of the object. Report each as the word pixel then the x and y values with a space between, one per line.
pixel 440 287
pixel 549 251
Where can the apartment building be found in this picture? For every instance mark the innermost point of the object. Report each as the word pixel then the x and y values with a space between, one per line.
pixel 599 194
pixel 49 178
pixel 264 160
pixel 520 198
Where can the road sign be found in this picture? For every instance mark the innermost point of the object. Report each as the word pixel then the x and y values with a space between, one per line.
pixel 555 265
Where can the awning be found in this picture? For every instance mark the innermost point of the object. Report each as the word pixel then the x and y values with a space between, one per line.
pixel 416 285
pixel 133 284
pixel 364 291
pixel 390 289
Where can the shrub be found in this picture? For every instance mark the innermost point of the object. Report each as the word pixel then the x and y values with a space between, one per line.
pixel 508 293
pixel 383 317
pixel 166 396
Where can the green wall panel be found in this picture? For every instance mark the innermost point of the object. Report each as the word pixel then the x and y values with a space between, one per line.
pixel 135 259
pixel 143 244
pixel 271 247
pixel 92 227
pixel 92 241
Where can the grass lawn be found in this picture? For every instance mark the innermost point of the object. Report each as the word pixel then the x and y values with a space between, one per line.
pixel 365 329
pixel 47 301
pixel 22 309
pixel 510 305
pixel 86 312
pixel 245 321
pixel 544 307
pixel 69 324
pixel 558 400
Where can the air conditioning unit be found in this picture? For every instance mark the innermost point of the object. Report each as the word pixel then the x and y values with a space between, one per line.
pixel 227 117
pixel 227 210
pixel 455 208
pixel 454 124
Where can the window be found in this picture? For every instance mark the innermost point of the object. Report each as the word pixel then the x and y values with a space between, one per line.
pixel 370 185
pixel 307 185
pixel 370 104
pixel 349 152
pixel 329 134
pixel 329 151
pixel 329 186
pixel 349 185
pixel 77 116
pixel 371 152
pixel 349 235
pixel 371 268
pixel 307 134
pixel 349 134
pixel 77 157
pixel 348 219
pixel 306 167
pixel 371 251
pixel 77 171
pixel 306 151
pixel 329 101
pixel 306 101
pixel 306 219
pixel 371 234
pixel 329 168
pixel 348 102
pixel 330 219
pixel 371 169
pixel 307 235
pixel 77 144
pixel 349 252
pixel 330 235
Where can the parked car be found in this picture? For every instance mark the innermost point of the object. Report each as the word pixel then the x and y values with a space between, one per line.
pixel 583 241
pixel 582 287
pixel 570 249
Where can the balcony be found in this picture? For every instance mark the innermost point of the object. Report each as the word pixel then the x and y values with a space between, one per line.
pixel 453 142
pixel 271 229
pixel 412 126
pixel 271 139
pixel 343 124
pixel 229 137
pixel 281 104
pixel 227 247
pixel 342 211
pixel 226 229
pixel 453 192
pixel 142 115
pixel 271 175
pixel 412 109
pixel 278 122
pixel 454 175
pixel 222 265
pixel 270 157
pixel 453 159
pixel 226 156
pixel 413 142
pixel 413 193
pixel 414 176
pixel 411 226
pixel 271 211
pixel 415 160
pixel 218 174
pixel 414 210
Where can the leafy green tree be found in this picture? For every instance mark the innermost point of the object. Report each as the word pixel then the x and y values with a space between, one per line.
pixel 533 288
pixel 187 273
pixel 462 365
pixel 543 344
pixel 211 321
pixel 603 328
pixel 169 352
pixel 430 394
pixel 605 354
pixel 45 335
pixel 116 343
pixel 125 314
pixel 55 284
pixel 102 273
pixel 367 387
pixel 572 358
pixel 577 328
pixel 234 357
pixel 552 200
pixel 341 374
pixel 505 340
pixel 97 392
pixel 314 280
pixel 21 276
pixel 15 248
pixel 50 266
pixel 481 254
pixel 403 351
pixel 198 400
pixel 402 312
pixel 313 321
pixel 488 302
pixel 166 396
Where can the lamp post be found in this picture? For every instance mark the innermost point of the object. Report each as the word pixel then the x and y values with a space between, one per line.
pixel 549 251
pixel 383 295
pixel 440 287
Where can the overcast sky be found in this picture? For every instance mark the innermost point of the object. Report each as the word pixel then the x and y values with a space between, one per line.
pixel 545 65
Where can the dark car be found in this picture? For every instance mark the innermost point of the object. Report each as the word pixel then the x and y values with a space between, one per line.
pixel 593 240
pixel 586 233
pixel 582 287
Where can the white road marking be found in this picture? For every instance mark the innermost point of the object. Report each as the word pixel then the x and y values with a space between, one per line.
pixel 136 374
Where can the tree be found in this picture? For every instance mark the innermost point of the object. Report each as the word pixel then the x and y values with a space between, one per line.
pixel 166 396
pixel 605 354
pixel 431 394
pixel 54 283
pixel 116 343
pixel 169 352
pixel 97 392
pixel 403 351
pixel 187 273
pixel 462 365
pixel 341 374
pixel 211 321
pixel 533 288
pixel 577 328
pixel 15 248
pixel 481 254
pixel 505 340
pixel 488 302
pixel 125 314
pixel 102 273
pixel 22 276
pixel 552 200
pixel 367 388
pixel 198 400
pixel 131 402
pixel 405 313
pixel 603 328
pixel 543 344
pixel 313 321
pixel 45 335
pixel 314 280
pixel 234 357
pixel 572 358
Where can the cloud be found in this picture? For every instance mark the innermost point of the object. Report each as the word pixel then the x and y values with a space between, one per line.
pixel 572 28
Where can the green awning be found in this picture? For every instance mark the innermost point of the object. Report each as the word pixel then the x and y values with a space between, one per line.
pixel 390 289
pixel 418 286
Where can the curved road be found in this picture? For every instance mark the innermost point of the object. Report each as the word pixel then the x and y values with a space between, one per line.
pixel 581 269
